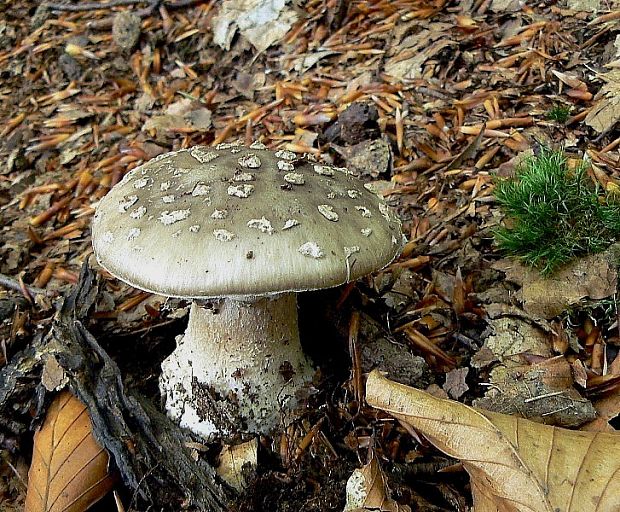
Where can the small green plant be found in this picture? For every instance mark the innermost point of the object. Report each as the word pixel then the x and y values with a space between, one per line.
pixel 559 113
pixel 553 213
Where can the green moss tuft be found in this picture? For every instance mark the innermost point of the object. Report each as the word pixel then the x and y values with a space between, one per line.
pixel 559 113
pixel 553 214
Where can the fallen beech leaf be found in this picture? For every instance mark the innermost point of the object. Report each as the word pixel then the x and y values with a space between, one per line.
pixel 469 151
pixel 367 490
pixel 606 111
pixel 465 22
pixel 237 463
pixel 69 470
pixel 514 464
pixel 593 276
pixel 455 384
pixel 407 64
pixel 571 81
pixel 608 408
pixel 510 336
pixel 261 22
pixel 542 392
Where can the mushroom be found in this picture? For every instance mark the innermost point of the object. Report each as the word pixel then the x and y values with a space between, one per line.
pixel 239 230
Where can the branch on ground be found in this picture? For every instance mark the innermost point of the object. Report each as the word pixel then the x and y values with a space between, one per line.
pixel 96 6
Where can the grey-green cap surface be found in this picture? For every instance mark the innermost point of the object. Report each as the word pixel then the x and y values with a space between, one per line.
pixel 241 221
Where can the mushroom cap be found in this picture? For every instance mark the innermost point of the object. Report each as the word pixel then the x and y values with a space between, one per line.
pixel 241 221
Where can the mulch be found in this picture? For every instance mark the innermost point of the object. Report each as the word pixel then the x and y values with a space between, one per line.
pixel 427 100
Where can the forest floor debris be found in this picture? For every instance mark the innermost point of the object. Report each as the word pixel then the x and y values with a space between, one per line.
pixel 437 96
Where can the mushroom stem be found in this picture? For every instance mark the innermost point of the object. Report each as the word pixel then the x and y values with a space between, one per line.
pixel 237 368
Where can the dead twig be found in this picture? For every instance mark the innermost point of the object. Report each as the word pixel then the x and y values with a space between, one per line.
pixel 356 366
pixel 307 440
pixel 108 21
pixel 95 6
pixel 14 284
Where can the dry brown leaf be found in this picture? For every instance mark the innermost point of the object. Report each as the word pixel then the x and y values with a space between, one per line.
pixel 402 68
pixel 593 276
pixel 455 384
pixel 69 470
pixel 469 151
pixel 367 490
pixel 262 22
pixel 542 392
pixel 584 5
pixel 237 463
pixel 459 293
pixel 608 408
pixel 571 81
pixel 606 112
pixel 510 336
pixel 514 464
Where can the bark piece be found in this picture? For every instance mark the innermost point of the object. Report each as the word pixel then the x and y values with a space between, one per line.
pixel 148 449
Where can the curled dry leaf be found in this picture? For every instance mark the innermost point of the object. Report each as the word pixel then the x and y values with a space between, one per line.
pixel 237 463
pixel 262 22
pixel 69 470
pixel 606 111
pixel 608 409
pixel 542 392
pixel 514 464
pixel 592 276
pixel 367 490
